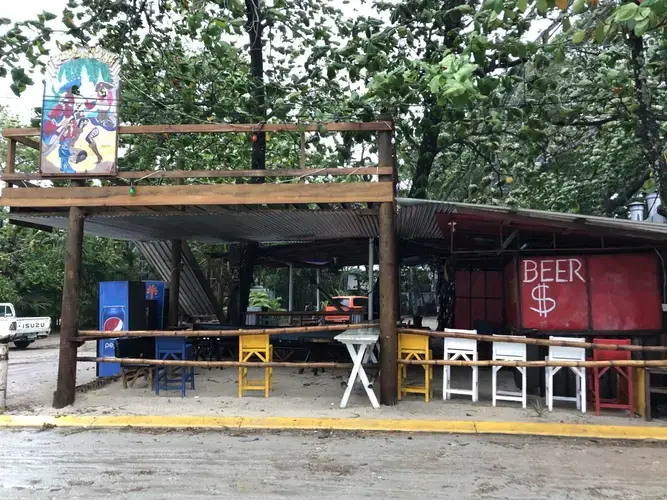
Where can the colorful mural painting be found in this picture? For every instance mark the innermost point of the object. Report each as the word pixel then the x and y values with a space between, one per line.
pixel 80 113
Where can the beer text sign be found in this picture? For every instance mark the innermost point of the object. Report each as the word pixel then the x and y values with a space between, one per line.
pixel 553 293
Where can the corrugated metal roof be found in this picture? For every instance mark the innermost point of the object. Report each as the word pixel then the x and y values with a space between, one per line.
pixel 231 226
pixel 192 297
pixel 417 219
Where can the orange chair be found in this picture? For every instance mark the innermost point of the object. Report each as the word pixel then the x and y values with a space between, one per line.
pixel 252 348
pixel 623 376
pixel 412 346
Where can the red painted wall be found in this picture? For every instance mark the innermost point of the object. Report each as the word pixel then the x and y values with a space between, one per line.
pixel 625 292
pixel 478 298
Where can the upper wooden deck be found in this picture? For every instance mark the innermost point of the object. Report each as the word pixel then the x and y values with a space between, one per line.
pixel 175 194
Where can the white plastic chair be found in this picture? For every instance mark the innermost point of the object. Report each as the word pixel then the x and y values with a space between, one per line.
pixel 507 351
pixel 465 350
pixel 557 353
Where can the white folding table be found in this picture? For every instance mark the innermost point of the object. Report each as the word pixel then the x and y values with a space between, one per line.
pixel 360 343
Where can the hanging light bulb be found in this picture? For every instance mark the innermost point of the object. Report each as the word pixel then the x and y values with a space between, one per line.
pixel 132 190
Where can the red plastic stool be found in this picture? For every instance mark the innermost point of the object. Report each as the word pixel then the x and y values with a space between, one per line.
pixel 623 376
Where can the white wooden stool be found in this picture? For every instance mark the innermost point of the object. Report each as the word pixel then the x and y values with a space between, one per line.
pixel 465 350
pixel 508 351
pixel 557 353
pixel 359 342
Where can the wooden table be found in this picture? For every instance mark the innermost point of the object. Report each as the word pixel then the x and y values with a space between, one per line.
pixel 360 344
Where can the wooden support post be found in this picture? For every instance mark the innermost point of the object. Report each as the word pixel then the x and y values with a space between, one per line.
pixel 388 299
pixel 175 282
pixel 10 168
pixel 317 289
pixel 64 394
pixel 302 150
pixel 388 337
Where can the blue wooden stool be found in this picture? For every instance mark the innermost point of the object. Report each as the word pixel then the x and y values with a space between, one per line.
pixel 173 348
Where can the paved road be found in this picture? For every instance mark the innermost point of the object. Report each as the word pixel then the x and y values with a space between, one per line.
pixel 130 464
pixel 33 371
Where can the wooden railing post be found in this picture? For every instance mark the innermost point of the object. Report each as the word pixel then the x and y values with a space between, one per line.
pixel 10 168
pixel 64 394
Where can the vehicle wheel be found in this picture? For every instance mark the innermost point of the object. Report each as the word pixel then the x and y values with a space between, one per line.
pixel 23 344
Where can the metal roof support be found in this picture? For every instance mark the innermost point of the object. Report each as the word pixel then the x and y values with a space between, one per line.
pixel 174 282
pixel 317 289
pixel 290 292
pixel 370 279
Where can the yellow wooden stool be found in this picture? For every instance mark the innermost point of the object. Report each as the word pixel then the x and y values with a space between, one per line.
pixel 412 346
pixel 255 348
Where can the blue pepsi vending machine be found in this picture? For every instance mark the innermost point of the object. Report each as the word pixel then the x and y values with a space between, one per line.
pixel 125 306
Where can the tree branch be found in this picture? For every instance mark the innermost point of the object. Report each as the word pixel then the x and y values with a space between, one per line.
pixel 610 205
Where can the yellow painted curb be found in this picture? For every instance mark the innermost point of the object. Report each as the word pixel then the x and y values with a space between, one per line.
pixel 346 424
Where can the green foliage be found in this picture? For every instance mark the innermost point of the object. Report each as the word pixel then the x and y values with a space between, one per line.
pixel 32 262
pixel 262 299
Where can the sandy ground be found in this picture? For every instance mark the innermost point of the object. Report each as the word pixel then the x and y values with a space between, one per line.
pixel 32 375
pixel 308 395
pixel 33 372
pixel 137 465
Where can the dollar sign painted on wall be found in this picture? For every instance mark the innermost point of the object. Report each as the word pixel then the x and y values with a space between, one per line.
pixel 545 304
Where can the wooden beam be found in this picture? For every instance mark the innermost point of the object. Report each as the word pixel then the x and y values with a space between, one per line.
pixel 212 194
pixel 209 174
pixel 27 142
pixel 64 394
pixel 211 128
pixel 509 239
pixel 31 225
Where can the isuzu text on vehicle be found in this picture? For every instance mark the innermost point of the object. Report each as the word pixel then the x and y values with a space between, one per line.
pixel 22 331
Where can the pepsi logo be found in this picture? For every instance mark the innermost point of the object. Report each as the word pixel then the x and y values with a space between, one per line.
pixel 113 325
